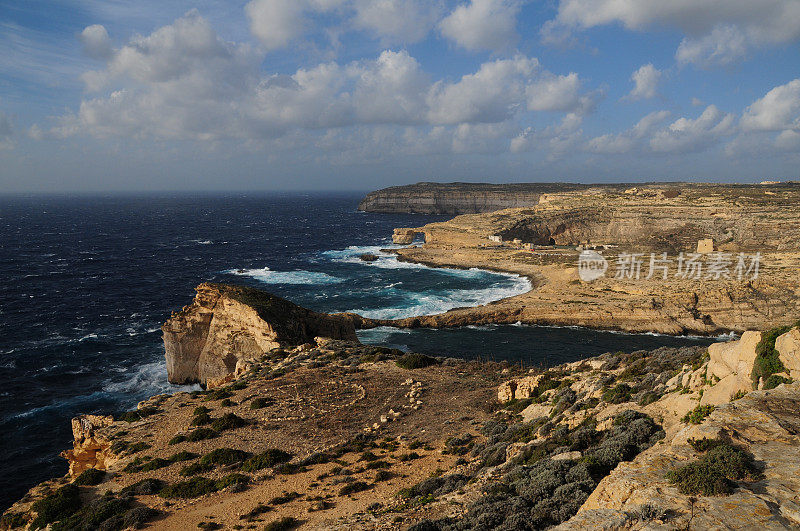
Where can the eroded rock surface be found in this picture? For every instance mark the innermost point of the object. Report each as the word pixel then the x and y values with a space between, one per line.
pixel 766 423
pixel 227 324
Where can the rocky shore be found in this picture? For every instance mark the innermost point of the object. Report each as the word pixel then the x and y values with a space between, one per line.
pixel 332 434
pixel 542 243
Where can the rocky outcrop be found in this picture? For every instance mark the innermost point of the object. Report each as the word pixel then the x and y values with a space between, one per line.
pixel 404 236
pixel 90 449
pixel 227 324
pixel 732 364
pixel 765 423
pixel 788 347
pixel 458 198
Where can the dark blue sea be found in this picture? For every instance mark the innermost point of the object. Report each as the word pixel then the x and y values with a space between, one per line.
pixel 87 282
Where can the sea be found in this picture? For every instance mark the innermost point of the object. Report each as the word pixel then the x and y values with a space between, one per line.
pixel 88 281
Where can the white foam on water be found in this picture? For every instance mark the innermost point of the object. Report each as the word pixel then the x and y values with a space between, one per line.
pixel 433 303
pixel 380 334
pixel 147 380
pixel 299 277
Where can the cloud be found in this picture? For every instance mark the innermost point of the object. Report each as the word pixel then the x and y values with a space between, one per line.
pixel 493 94
pixel 96 43
pixel 778 110
pixel 404 21
pixel 770 125
pixel 276 23
pixel 184 82
pixel 483 25
pixel 630 139
pixel 645 80
pixel 725 45
pixel 687 135
pixel 717 31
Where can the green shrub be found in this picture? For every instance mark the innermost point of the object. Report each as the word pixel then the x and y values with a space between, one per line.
pixel 410 456
pixel 267 459
pixel 64 502
pixel 768 360
pixel 618 395
pixel 516 405
pixel 201 434
pixel 201 419
pixel 716 472
pixel 260 402
pixel 415 360
pixel 352 488
pixel 376 465
pixel 774 380
pixel 183 456
pixel 232 480
pixel 226 402
pixel 225 456
pixel 286 497
pixel 282 524
pixel 145 487
pixel 741 393
pixel 192 488
pixel 218 394
pixel 177 439
pixel 138 447
pixel 105 513
pixel 196 468
pixel 383 475
pixel 90 476
pixel 228 421
pixel 200 410
pixel 698 414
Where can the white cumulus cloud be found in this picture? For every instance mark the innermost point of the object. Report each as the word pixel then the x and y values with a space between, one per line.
pixel 687 135
pixel 96 43
pixel 716 31
pixel 483 25
pixel 778 110
pixel 645 82
pixel 405 21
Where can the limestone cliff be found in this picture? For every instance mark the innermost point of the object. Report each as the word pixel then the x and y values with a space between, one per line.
pixel 458 198
pixel 227 325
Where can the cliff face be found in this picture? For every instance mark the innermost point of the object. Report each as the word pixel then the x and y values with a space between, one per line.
pixel 458 198
pixel 228 325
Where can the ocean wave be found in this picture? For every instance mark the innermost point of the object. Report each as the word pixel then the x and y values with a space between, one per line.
pixel 299 277
pixel 145 381
pixel 380 334
pixel 202 242
pixel 432 303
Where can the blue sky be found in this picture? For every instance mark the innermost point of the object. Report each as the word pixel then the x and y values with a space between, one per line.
pixel 106 95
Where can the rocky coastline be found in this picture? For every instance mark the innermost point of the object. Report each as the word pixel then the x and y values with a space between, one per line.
pixel 543 243
pixel 299 425
pixel 332 434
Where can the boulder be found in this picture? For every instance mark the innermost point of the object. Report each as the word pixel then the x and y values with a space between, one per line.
pixel 225 324
pixel 518 389
pixel 733 357
pixel 732 364
pixel 788 347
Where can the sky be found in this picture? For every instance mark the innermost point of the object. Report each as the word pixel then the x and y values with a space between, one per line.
pixel 112 95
